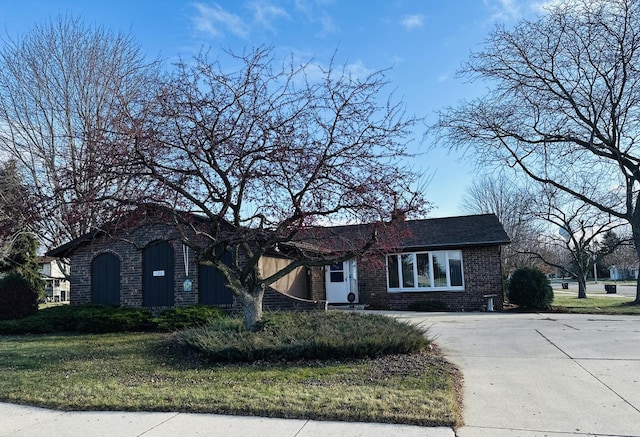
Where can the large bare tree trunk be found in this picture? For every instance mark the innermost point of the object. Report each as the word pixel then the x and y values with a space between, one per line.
pixel 582 287
pixel 635 230
pixel 636 237
pixel 251 300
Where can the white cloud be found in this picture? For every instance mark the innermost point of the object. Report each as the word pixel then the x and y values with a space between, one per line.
pixel 358 70
pixel 503 10
pixel 265 13
pixel 213 19
pixel 328 25
pixel 396 59
pixel 315 12
pixel 303 6
pixel 317 72
pixel 512 10
pixel 443 77
pixel 542 7
pixel 411 22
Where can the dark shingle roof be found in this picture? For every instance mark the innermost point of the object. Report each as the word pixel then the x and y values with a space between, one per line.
pixel 426 234
pixel 436 233
pixel 143 215
pixel 471 230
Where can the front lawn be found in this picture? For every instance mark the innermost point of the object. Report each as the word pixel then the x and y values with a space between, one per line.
pixel 151 372
pixel 594 304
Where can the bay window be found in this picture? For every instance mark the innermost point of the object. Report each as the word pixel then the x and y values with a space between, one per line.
pixel 425 271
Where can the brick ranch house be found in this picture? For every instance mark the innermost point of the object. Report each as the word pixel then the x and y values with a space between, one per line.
pixel 453 261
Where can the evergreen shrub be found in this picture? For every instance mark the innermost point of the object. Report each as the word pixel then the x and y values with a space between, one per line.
pixel 104 319
pixel 529 288
pixel 185 317
pixel 18 298
pixel 292 336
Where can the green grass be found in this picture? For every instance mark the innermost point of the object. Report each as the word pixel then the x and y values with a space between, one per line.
pixel 147 372
pixel 594 304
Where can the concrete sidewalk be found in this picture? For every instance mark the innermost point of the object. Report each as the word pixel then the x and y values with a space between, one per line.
pixel 16 420
pixel 543 374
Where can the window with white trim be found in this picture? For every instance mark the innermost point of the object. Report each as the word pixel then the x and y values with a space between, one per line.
pixel 425 271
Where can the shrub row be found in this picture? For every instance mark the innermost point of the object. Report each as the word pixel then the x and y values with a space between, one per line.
pixel 294 336
pixel 103 319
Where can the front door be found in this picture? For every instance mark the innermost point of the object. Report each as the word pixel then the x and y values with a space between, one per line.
pixel 157 282
pixel 342 282
pixel 105 280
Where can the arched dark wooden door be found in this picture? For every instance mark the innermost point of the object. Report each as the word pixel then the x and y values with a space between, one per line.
pixel 157 283
pixel 105 279
pixel 212 285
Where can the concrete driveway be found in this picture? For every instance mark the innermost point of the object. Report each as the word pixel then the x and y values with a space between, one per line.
pixel 543 374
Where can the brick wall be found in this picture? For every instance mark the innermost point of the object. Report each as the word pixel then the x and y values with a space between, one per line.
pixel 372 285
pixel 128 247
pixel 482 276
pixel 317 283
pixel 274 300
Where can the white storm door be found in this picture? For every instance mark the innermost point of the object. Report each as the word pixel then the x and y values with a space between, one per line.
pixel 340 281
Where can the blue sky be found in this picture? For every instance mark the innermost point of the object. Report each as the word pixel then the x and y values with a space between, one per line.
pixel 423 42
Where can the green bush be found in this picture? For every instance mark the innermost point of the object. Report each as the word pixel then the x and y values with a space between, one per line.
pixel 18 298
pixel 81 318
pixel 55 319
pixel 102 319
pixel 186 317
pixel 294 336
pixel 530 288
pixel 428 306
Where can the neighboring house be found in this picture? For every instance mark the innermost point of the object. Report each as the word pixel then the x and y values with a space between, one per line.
pixel 455 261
pixel 54 273
pixel 620 274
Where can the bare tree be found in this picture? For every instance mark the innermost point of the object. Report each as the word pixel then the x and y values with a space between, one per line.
pixel 15 202
pixel 573 228
pixel 62 85
pixel 16 210
pixel 563 104
pixel 268 151
pixel 624 256
pixel 499 194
